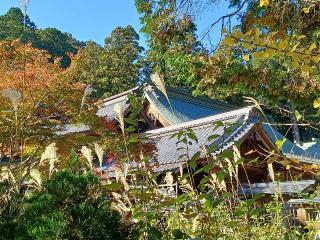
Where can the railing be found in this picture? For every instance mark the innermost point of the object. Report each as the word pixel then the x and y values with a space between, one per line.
pixel 299 214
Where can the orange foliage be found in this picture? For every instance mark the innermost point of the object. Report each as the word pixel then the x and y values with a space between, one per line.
pixel 48 100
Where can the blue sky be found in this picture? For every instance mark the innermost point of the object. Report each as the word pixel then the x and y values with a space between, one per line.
pixel 95 19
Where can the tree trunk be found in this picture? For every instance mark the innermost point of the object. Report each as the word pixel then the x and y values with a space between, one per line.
pixel 295 127
pixel 293 119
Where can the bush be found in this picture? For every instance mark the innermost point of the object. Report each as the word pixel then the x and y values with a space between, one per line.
pixel 11 203
pixel 70 205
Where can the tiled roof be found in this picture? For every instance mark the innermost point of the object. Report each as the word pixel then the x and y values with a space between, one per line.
pixel 185 111
pixel 183 107
pixel 169 149
pixel 292 150
pixel 289 187
pixel 304 200
pixel 71 128
pixel 106 109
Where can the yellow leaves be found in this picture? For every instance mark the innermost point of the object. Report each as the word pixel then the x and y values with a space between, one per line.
pixel 306 10
pixel 283 44
pixel 237 34
pixel 229 41
pixel 305 68
pixel 257 35
pixel 263 54
pixel 246 57
pixel 224 30
pixel 286 164
pixel 298 115
pixel 248 33
pixel 257 55
pixel 295 64
pixel 316 59
pixel 272 37
pixel 247 45
pixel 295 161
pixel 279 143
pixel 316 103
pixel 301 37
pixel 313 46
pixel 264 3
pixel 269 52
pixel 295 47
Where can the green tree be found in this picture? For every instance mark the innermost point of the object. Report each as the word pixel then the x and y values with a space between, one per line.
pixel 121 59
pixel 286 78
pixel 57 44
pixel 110 69
pixel 174 50
pixel 86 66
pixel 271 56
pixel 12 26
pixel 71 204
pixel 52 40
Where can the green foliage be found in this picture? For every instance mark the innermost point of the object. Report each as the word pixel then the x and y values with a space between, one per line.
pixel 174 50
pixel 121 59
pixel 113 68
pixel 272 56
pixel 12 26
pixel 71 204
pixel 57 44
pixel 10 209
pixel 52 40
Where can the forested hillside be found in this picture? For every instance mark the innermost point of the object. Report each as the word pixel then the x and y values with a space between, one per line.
pixel 52 40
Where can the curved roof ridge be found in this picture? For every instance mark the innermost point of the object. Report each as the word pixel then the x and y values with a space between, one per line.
pixel 246 112
pixel 120 94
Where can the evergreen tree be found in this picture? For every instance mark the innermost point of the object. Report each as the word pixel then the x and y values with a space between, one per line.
pixel 110 69
pixel 12 26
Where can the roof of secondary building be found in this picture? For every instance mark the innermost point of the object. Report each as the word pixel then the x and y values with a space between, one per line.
pixel 289 187
pixel 72 128
pixel 106 109
pixel 292 150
